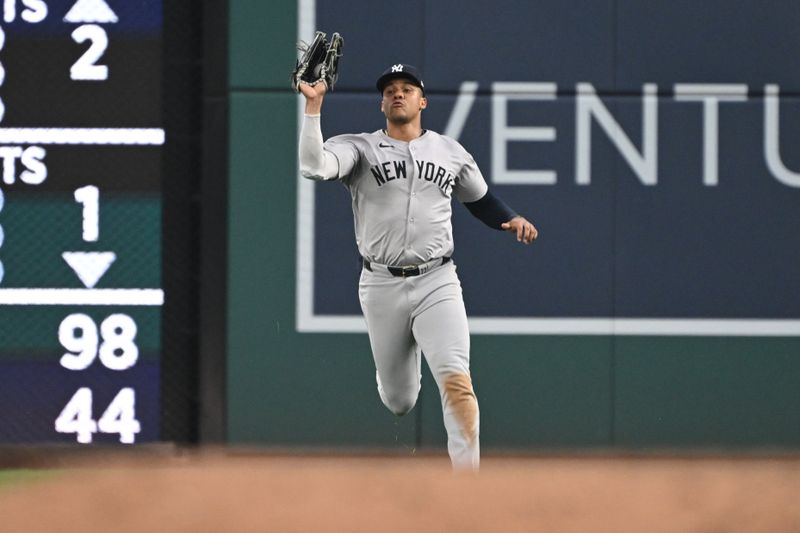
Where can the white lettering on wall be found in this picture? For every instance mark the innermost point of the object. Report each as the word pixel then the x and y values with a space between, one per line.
pixel 588 106
pixel 772 150
pixel 502 133
pixel 458 118
pixel 711 95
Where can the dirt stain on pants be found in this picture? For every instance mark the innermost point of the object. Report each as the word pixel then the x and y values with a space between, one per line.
pixel 458 388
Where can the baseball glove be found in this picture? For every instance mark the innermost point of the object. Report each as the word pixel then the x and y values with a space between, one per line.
pixel 320 61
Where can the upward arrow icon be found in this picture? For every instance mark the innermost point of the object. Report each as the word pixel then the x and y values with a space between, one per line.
pixel 90 11
pixel 89 266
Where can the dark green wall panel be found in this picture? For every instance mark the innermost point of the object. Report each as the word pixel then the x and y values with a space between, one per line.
pixel 707 392
pixel 263 41
pixel 544 392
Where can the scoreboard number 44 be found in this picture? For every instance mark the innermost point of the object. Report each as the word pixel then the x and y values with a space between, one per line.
pixel 79 334
pixel 119 417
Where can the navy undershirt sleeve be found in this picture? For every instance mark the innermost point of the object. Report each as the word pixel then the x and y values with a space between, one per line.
pixel 491 210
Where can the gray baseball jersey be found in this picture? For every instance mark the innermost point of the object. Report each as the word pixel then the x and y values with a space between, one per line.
pixel 402 193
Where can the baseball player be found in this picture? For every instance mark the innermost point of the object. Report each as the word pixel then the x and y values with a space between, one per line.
pixel 402 179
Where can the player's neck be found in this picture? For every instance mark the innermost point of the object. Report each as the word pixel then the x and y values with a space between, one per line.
pixel 404 132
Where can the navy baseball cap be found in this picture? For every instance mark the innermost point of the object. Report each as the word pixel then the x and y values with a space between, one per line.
pixel 400 70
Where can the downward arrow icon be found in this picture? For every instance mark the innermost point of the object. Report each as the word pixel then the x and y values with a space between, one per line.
pixel 89 266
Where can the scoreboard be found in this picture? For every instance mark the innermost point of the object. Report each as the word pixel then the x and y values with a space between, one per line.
pixel 81 142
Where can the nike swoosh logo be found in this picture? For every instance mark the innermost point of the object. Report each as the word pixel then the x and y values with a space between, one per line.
pixel 384 145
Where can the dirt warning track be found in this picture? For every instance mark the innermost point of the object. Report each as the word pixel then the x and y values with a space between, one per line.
pixel 256 493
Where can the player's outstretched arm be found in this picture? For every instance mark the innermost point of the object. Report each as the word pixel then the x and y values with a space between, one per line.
pixel 315 162
pixel 526 232
pixel 494 212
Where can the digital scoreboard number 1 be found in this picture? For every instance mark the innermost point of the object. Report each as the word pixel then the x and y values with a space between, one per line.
pixel 80 221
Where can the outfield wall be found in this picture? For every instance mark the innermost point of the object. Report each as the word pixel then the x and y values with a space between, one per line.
pixel 652 143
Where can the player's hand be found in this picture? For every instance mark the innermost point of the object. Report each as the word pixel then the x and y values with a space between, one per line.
pixel 526 232
pixel 314 95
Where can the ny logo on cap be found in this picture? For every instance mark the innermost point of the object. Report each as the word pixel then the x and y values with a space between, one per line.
pixel 397 68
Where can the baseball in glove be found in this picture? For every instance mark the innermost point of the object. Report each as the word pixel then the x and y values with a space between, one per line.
pixel 320 61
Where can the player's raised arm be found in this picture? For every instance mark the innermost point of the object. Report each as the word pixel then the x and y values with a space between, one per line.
pixel 315 162
pixel 314 73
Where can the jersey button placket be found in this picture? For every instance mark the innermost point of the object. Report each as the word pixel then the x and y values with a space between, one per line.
pixel 412 194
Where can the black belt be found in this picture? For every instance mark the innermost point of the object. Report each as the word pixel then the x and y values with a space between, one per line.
pixel 403 271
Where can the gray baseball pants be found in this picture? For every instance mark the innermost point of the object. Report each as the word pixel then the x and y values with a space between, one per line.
pixel 424 314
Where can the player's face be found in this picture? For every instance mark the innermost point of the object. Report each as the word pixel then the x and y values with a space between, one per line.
pixel 402 101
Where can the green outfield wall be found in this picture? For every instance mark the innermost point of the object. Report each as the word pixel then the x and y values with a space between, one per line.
pixel 536 392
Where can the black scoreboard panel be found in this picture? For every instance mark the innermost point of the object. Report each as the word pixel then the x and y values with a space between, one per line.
pixel 81 145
